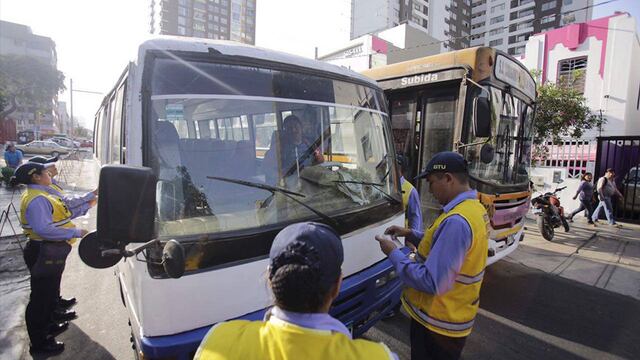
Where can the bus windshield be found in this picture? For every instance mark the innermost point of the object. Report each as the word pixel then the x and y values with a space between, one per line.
pixel 511 143
pixel 323 141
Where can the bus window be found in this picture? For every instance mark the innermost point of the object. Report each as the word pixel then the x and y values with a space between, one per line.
pixel 438 126
pixel 116 127
pixel 404 127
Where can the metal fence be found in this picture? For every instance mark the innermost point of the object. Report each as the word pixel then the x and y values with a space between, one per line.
pixel 576 155
pixel 622 154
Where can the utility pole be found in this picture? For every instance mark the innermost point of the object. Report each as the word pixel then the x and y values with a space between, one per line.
pixel 71 101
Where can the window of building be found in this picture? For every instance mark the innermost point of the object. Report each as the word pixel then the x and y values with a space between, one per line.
pixel 524 13
pixel 519 50
pixel 182 21
pixel 496 42
pixel 453 27
pixel 454 16
pixel 523 25
pixel 571 73
pixel 497 19
pixel 182 30
pixel 182 11
pixel 198 26
pixel 549 5
pixel 496 8
pixel 567 2
pixel 496 31
pixel 548 19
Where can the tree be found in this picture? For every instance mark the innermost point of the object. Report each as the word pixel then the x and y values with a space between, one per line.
pixel 561 111
pixel 27 81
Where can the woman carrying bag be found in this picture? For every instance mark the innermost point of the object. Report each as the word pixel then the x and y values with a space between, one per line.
pixel 46 221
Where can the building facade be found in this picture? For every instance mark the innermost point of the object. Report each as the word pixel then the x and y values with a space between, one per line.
pixel 598 58
pixel 448 21
pixel 19 40
pixel 213 19
pixel 508 24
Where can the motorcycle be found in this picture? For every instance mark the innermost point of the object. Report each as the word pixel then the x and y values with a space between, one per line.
pixel 550 214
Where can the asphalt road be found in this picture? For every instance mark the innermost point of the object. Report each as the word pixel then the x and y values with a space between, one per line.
pixel 525 314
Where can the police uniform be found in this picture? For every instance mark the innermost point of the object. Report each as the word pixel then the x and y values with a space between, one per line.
pixel 292 335
pixel 46 221
pixel 411 206
pixel 443 283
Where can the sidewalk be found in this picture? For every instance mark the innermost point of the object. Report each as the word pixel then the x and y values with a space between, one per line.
pixel 76 177
pixel 604 256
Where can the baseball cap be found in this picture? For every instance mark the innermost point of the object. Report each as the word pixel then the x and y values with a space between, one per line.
pixel 23 172
pixel 446 161
pixel 320 237
pixel 43 160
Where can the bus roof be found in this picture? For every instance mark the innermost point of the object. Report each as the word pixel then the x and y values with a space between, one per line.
pixel 178 43
pixel 452 58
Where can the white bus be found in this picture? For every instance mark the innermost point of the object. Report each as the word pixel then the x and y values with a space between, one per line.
pixel 183 139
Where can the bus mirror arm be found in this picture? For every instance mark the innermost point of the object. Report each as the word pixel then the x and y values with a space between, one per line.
pixel 173 256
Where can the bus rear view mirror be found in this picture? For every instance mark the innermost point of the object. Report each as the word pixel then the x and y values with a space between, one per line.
pixel 487 153
pixel 482 117
pixel 126 205
pixel 173 259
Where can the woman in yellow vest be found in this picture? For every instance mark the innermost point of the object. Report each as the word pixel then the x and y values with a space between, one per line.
pixel 443 283
pixel 46 221
pixel 305 276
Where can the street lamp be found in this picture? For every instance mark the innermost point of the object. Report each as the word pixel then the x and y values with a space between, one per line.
pixel 71 100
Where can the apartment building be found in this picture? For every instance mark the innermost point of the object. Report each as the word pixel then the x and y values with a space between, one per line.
pixel 508 24
pixel 447 21
pixel 19 40
pixel 213 19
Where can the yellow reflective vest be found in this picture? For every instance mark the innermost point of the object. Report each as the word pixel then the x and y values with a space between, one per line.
pixel 406 192
pixel 453 313
pixel 61 215
pixel 279 340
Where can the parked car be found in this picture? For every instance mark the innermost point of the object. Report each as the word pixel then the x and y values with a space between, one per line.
pixel 86 144
pixel 43 148
pixel 66 142
pixel 631 190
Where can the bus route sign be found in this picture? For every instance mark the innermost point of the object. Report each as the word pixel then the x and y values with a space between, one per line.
pixel 515 75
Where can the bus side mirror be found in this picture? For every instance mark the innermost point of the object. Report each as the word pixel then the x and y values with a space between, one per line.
pixel 482 117
pixel 126 204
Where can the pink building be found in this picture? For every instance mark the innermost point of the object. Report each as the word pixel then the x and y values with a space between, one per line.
pixel 607 53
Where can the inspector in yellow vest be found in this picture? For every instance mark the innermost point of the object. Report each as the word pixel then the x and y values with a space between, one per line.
pixel 452 313
pixel 406 192
pixel 279 340
pixel 61 215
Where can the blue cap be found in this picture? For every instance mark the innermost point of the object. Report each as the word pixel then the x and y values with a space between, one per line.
pixel 446 161
pixel 25 171
pixel 319 238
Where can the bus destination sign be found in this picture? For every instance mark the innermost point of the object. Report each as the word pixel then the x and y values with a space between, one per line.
pixel 515 75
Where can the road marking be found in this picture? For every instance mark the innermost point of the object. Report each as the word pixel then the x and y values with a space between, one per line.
pixel 575 348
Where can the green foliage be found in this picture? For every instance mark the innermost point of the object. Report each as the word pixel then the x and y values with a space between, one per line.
pixel 561 112
pixel 28 81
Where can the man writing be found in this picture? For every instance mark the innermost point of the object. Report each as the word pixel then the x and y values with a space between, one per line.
pixel 443 282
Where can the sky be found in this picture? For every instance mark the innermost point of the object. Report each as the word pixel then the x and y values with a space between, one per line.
pixel 95 39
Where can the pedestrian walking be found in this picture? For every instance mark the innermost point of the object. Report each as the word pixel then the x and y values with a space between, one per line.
pixel 410 201
pixel 46 221
pixel 585 192
pixel 443 278
pixel 606 189
pixel 305 276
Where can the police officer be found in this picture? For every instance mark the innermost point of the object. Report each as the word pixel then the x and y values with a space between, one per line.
pixel 410 201
pixel 46 221
pixel 79 205
pixel 443 281
pixel 304 276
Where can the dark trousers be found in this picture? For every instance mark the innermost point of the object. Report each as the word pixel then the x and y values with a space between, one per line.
pixel 585 205
pixel 425 344
pixel 42 300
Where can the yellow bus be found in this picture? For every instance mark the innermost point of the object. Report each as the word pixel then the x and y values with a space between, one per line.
pixel 480 103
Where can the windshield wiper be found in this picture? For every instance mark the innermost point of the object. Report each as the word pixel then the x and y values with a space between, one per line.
pixel 376 186
pixel 285 192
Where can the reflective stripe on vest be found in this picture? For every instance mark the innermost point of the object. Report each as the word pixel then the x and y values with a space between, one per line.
pixel 61 216
pixel 280 340
pixel 453 313
pixel 406 192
